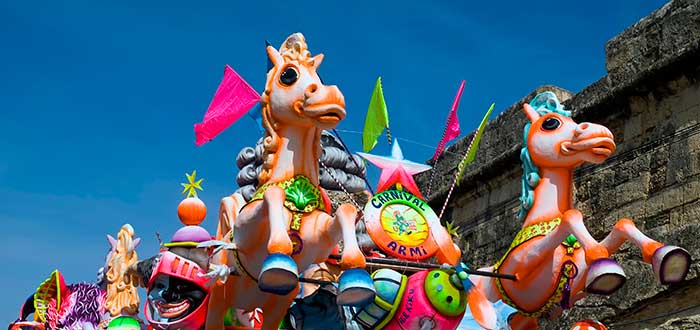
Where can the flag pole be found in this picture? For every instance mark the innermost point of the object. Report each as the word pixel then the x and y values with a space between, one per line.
pixel 451 126
pixel 469 156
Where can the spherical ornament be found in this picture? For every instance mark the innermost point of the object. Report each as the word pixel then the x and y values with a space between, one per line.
pixel 191 211
pixel 588 325
pixel 443 295
pixel 124 323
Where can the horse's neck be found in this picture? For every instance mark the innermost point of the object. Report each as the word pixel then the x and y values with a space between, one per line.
pixel 553 195
pixel 297 154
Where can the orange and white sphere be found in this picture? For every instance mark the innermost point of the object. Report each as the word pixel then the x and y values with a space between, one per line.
pixel 191 211
pixel 589 325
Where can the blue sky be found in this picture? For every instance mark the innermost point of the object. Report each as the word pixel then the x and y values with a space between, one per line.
pixel 98 99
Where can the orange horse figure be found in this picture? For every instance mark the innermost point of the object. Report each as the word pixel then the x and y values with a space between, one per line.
pixel 555 258
pixel 286 227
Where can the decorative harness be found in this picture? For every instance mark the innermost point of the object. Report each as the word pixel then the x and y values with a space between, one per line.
pixel 301 197
pixel 567 273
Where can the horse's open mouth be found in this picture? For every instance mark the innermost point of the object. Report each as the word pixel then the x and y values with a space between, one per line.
pixel 326 113
pixel 600 146
pixel 173 310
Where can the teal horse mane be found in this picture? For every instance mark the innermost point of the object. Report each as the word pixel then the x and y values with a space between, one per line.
pixel 543 103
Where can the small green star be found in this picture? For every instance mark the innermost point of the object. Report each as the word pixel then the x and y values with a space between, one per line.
pixel 452 229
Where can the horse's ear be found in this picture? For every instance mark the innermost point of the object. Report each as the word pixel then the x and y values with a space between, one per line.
pixel 316 60
pixel 137 241
pixel 112 241
pixel 530 112
pixel 274 56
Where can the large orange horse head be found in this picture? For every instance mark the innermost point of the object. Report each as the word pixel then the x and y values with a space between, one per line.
pixel 295 96
pixel 553 140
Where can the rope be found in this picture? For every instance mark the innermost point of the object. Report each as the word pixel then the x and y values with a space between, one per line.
pixel 432 177
pixel 352 199
pixel 460 167
pixel 388 134
pixel 409 141
pixel 347 150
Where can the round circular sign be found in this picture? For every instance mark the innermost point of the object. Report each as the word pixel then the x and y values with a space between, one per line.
pixel 399 223
pixel 404 224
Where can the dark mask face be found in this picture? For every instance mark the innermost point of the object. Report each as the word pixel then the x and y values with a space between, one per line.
pixel 171 299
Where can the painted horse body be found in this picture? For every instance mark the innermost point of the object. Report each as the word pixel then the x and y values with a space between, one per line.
pixel 556 259
pixel 285 227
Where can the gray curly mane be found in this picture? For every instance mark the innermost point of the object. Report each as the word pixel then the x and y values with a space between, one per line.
pixel 350 174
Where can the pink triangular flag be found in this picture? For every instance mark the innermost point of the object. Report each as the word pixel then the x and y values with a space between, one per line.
pixel 452 125
pixel 232 100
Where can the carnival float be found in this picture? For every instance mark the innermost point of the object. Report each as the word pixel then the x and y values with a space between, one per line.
pixel 306 242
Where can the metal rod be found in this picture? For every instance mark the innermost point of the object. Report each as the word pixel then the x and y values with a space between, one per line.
pixel 423 265
pixel 372 265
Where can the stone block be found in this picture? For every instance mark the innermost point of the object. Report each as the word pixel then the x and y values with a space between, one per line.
pixel 686 214
pixel 634 189
pixel 633 128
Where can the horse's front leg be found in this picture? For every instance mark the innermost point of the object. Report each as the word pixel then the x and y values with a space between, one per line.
pixel 603 275
pixel 220 300
pixel 356 286
pixel 670 263
pixel 279 273
pixel 228 212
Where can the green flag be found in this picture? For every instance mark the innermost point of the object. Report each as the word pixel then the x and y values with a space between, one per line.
pixel 471 153
pixel 377 118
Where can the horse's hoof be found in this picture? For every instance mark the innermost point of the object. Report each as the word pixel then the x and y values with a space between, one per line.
pixel 356 288
pixel 671 264
pixel 605 276
pixel 279 274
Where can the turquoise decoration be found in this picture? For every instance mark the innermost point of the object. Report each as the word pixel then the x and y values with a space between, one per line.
pixel 461 272
pixel 390 286
pixel 279 274
pixel 356 288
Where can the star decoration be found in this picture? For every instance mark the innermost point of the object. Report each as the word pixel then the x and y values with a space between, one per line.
pixel 396 170
pixel 452 229
pixel 192 185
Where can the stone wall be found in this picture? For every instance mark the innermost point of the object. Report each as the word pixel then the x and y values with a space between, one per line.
pixel 650 100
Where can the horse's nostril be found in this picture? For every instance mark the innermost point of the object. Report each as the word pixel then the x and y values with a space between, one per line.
pixel 311 89
pixel 583 126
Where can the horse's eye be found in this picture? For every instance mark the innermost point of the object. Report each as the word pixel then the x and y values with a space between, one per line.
pixel 289 76
pixel 551 124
